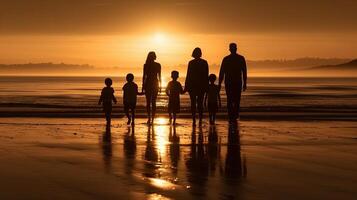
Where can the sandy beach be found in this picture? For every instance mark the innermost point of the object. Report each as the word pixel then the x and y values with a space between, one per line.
pixel 76 158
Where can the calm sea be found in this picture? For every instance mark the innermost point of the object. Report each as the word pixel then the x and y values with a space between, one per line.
pixel 262 93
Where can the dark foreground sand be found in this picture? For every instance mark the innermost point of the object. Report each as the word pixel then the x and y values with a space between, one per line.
pixel 79 159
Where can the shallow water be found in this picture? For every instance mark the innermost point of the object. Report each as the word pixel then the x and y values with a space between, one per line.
pixel 267 93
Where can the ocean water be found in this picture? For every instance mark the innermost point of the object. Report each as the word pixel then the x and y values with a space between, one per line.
pixel 262 94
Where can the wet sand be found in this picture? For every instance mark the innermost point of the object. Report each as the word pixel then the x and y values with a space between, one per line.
pixel 72 158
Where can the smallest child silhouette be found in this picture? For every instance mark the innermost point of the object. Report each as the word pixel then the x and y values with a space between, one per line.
pixel 106 99
pixel 173 90
pixel 130 90
pixel 213 97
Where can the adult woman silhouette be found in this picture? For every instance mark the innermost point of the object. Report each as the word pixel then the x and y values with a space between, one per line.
pixel 151 84
pixel 197 83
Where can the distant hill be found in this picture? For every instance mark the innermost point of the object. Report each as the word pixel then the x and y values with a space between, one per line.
pixel 306 67
pixel 300 63
pixel 60 69
pixel 346 69
pixel 352 65
pixel 39 68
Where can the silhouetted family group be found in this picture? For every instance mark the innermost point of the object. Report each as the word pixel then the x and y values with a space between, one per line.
pixel 199 84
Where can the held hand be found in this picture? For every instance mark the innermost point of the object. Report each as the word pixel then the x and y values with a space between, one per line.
pixel 184 91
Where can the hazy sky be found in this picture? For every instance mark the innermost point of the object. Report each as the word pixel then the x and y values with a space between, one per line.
pixel 117 33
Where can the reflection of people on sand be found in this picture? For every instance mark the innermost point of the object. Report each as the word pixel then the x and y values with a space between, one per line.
pixel 235 167
pixel 151 154
pixel 107 148
pixel 130 149
pixel 197 165
pixel 151 84
pixel 197 83
pixel 234 72
pixel 213 149
pixel 130 143
pixel 174 149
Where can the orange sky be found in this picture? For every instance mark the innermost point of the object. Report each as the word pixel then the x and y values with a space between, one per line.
pixel 117 33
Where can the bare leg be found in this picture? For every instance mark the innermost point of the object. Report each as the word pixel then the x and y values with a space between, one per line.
pixel 153 112
pixel 132 116
pixel 237 108
pixel 170 117
pixel 126 110
pixel 193 108
pixel 153 105
pixel 148 110
pixel 108 118
pixel 230 106
pixel 200 107
pixel 174 118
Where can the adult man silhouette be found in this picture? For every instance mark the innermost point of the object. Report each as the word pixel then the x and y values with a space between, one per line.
pixel 234 72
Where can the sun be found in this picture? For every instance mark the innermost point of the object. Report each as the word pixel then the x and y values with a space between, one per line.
pixel 159 38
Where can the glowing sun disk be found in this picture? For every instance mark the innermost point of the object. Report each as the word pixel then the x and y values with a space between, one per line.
pixel 160 38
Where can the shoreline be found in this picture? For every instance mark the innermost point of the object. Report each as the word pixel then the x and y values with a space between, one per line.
pixel 352 116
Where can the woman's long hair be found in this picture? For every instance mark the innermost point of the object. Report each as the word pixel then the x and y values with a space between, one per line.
pixel 151 57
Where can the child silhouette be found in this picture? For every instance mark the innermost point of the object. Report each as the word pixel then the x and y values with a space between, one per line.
pixel 213 97
pixel 173 90
pixel 130 90
pixel 106 99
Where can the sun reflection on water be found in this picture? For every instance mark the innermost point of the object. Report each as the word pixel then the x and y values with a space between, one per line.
pixel 161 135
pixel 155 196
pixel 163 184
pixel 161 121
